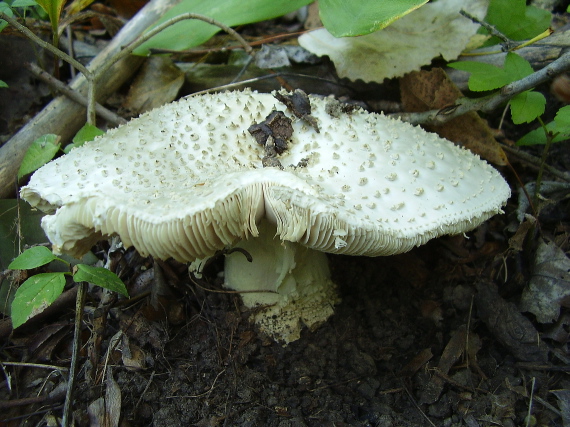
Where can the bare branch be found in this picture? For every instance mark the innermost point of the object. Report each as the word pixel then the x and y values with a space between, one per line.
pixel 72 94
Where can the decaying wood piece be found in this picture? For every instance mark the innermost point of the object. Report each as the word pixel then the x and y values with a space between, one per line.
pixel 63 116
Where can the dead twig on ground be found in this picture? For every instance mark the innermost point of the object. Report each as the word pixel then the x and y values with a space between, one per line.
pixel 79 303
pixel 535 162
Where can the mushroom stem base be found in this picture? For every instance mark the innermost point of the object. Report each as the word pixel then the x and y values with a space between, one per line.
pixel 293 281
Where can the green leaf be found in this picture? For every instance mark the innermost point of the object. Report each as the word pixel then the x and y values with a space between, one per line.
pixel 101 277
pixel 516 67
pixel 516 20
pixel 5 8
pixel 527 106
pixel 483 76
pixel 87 133
pixel 562 119
pixel 35 295
pixel 53 8
pixel 40 152
pixel 33 258
pixel 560 127
pixel 489 77
pixel 190 33
pixel 535 137
pixel 2 82
pixel 355 18
pixel 24 3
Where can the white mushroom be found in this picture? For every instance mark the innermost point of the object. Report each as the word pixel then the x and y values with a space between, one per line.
pixel 187 180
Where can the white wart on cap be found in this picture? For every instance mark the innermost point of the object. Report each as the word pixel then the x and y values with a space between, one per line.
pixel 186 180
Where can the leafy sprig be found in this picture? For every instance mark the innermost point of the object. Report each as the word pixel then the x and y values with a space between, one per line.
pixel 40 290
pixel 526 106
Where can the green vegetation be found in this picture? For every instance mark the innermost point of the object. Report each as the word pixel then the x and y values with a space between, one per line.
pixel 516 20
pixel 526 106
pixel 40 290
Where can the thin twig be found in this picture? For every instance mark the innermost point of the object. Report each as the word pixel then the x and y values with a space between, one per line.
pixel 535 162
pixel 268 76
pixel 79 303
pixel 530 400
pixel 50 398
pixel 422 413
pixel 265 40
pixel 488 103
pixel 194 396
pixel 74 95
pixel 35 365
pixel 217 291
pixel 507 43
pixel 149 382
pixel 45 45
pixel 144 38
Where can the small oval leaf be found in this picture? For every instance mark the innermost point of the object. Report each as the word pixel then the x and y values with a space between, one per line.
pixel 32 258
pixel 40 152
pixel 101 277
pixel 35 295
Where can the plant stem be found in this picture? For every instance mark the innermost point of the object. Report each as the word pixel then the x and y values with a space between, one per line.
pixel 79 302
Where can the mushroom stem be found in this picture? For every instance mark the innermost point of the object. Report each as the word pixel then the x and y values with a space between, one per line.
pixel 303 295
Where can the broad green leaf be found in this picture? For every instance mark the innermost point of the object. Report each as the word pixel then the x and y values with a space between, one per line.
pixel 40 152
pixel 35 295
pixel 490 77
pixel 2 82
pixel 24 3
pixel 535 137
pixel 355 18
pixel 527 106
pixel 101 277
pixel 516 67
pixel 562 119
pixel 560 127
pixel 483 76
pixel 190 33
pixel 5 8
pixel 53 8
pixel 516 20
pixel 87 133
pixel 33 258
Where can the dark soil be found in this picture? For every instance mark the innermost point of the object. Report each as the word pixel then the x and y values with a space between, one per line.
pixel 396 352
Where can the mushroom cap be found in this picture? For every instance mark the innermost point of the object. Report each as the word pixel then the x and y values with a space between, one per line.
pixel 186 180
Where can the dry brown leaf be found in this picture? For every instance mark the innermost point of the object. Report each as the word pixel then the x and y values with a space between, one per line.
pixel 451 354
pixel 157 84
pixel 416 363
pixel 430 90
